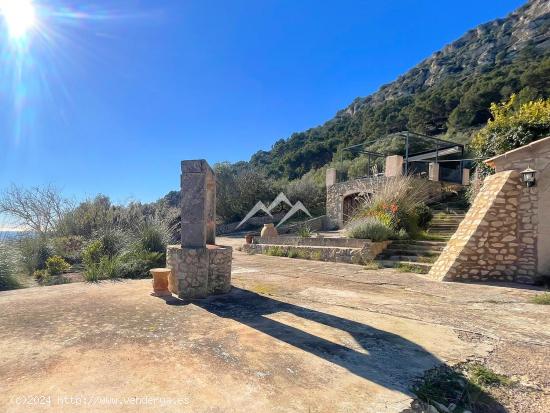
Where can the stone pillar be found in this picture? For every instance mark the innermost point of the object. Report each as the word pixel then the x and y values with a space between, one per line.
pixel 465 176
pixel 199 267
pixel 198 204
pixel 330 177
pixel 433 171
pixel 394 165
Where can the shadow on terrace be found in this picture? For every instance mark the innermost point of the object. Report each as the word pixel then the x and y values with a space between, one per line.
pixel 388 359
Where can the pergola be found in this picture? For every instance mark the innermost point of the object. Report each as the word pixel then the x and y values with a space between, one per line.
pixel 435 150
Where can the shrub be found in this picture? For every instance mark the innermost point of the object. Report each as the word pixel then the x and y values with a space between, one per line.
pixel 138 263
pixel 315 255
pixel 512 125
pixel 276 251
pixel 40 274
pixel 56 265
pixel 8 280
pixel 151 235
pixel 424 214
pixel 34 251
pixel 305 231
pixel 92 253
pixel 106 268
pixel 68 247
pixel 369 228
pixel 311 193
pixel 293 253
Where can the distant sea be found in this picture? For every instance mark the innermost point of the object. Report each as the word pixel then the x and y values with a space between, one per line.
pixel 7 235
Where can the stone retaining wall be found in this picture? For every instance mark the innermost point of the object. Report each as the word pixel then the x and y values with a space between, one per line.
pixel 316 242
pixel 346 254
pixel 494 241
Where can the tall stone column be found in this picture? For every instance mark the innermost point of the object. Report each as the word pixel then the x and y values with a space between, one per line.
pixel 199 267
pixel 198 204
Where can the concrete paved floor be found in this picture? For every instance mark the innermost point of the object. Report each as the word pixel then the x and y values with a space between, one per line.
pixel 292 336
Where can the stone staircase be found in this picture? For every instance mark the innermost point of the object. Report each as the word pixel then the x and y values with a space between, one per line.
pixel 419 255
pixel 445 223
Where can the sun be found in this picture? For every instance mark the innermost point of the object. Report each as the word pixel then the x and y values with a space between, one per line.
pixel 19 17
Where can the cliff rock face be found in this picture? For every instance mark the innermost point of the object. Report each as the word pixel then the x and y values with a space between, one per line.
pixel 448 93
pixel 493 43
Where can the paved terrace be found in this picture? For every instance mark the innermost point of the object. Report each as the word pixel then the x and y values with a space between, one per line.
pixel 292 336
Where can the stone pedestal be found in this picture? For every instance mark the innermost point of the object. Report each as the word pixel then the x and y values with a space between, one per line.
pixel 199 272
pixel 160 281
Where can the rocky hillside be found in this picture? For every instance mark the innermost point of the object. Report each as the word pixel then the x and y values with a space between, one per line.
pixel 447 94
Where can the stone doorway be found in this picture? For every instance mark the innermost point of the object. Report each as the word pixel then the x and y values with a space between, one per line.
pixel 351 203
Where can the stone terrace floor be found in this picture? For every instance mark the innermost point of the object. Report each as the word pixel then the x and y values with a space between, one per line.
pixel 292 336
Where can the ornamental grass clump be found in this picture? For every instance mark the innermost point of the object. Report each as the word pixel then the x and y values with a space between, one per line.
pixel 370 228
pixel 399 203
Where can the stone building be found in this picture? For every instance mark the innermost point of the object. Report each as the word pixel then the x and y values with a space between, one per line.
pixel 506 233
pixel 343 198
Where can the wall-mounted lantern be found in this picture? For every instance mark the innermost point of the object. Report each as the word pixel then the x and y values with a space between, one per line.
pixel 528 177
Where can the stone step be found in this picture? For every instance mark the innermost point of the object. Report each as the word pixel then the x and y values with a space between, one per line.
pixel 408 258
pixel 418 242
pixel 426 249
pixel 453 227
pixel 411 252
pixel 425 267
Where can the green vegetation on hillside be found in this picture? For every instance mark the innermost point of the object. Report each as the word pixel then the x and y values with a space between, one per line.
pixel 455 107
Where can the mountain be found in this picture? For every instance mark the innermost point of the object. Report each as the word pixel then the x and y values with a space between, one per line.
pixel 448 94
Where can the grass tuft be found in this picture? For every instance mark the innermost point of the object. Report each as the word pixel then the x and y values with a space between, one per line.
pixel 543 299
pixel 464 386
pixel 417 269
pixel 371 265
pixel 483 376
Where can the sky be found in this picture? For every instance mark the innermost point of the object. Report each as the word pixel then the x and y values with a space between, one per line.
pixel 109 97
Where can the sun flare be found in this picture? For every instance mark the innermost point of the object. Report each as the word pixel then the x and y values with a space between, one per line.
pixel 19 17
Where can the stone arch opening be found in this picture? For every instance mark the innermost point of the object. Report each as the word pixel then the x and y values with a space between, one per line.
pixel 351 203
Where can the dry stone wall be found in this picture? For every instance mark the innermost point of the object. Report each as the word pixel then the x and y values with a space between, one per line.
pixel 496 240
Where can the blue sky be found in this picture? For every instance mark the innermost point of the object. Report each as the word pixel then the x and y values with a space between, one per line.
pixel 111 96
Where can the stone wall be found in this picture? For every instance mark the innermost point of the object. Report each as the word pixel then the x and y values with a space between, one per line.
pixel 359 252
pixel 495 241
pixel 534 223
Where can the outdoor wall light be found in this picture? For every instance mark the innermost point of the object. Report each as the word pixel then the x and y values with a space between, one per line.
pixel 528 177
